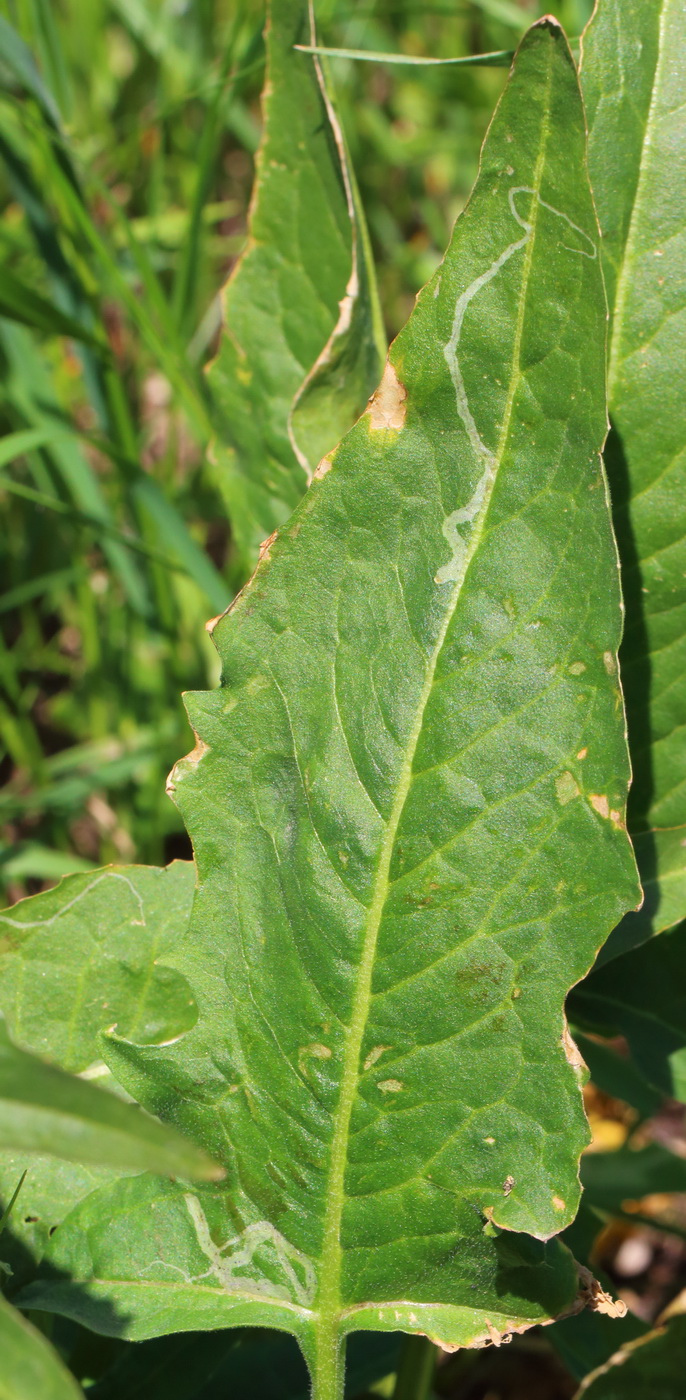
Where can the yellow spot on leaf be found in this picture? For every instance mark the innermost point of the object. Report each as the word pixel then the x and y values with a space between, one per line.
pixel 566 788
pixel 601 805
pixel 374 1055
pixel 314 1052
pixel 390 1086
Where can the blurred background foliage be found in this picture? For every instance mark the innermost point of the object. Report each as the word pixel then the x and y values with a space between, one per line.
pixel 127 135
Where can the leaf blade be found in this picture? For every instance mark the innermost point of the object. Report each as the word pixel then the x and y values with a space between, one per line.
pixel 388 802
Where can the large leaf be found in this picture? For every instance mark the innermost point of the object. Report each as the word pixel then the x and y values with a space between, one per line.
pixel 42 1109
pixel 90 955
pixel 302 345
pixel 632 76
pixel 407 807
pixel 29 1368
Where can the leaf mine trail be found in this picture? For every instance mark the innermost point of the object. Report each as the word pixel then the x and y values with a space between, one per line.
pixel 451 571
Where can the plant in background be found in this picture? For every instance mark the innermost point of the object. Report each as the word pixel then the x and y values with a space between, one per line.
pixel 407 798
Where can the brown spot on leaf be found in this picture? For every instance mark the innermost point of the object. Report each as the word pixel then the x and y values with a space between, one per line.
pixel 387 405
pixel 599 804
pixel 266 545
pixel 571 1049
pixel 191 760
pixel 595 1298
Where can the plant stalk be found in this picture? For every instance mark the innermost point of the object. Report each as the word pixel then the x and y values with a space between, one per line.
pixel 327 1363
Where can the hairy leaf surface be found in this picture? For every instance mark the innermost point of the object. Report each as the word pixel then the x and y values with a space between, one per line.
pixel 29 1367
pixel 407 804
pixel 634 57
pixel 91 955
pixel 302 346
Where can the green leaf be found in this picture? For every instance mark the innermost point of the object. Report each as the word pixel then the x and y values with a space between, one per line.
pixel 588 1339
pixel 22 303
pixel 91 955
pixel 651 1365
pixel 18 59
pixel 53 1187
pixel 42 1109
pixel 611 1178
pixel 632 78
pixel 30 1369
pixel 642 996
pixel 501 59
pixel 406 802
pixel 302 347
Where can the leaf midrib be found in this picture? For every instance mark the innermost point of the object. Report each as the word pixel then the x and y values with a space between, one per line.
pixel 331 1256
pixel 627 260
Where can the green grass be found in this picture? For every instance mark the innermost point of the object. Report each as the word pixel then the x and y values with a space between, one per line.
pixel 127 135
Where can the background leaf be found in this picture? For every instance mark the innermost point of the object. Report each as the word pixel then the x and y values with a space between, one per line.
pixel 30 1368
pixel 303 344
pixel 641 996
pixel 651 1365
pixel 42 1109
pixel 632 68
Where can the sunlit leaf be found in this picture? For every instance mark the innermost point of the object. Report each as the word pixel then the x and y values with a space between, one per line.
pixel 406 802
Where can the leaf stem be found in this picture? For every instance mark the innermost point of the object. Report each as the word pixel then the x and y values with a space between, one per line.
pixel 327 1365
pixel 416 1369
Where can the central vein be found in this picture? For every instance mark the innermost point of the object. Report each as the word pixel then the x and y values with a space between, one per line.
pixel 331 1259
